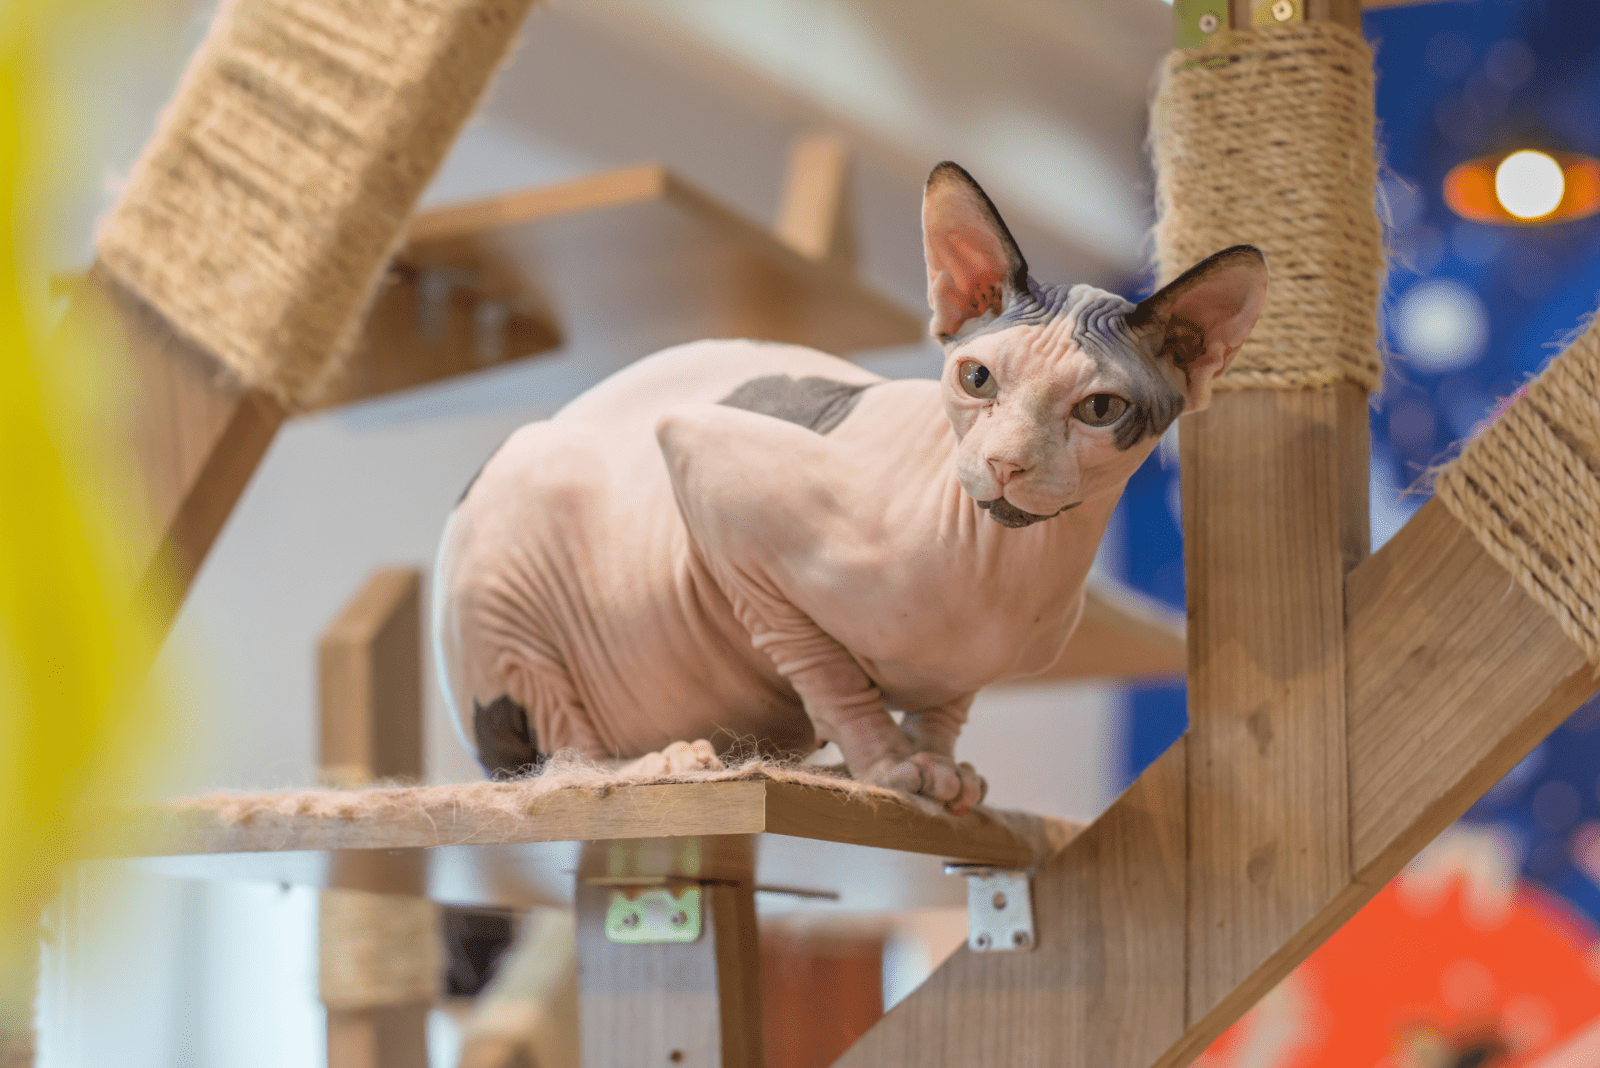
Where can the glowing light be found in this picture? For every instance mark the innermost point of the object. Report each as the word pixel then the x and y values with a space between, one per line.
pixel 1529 184
pixel 1524 188
pixel 1441 326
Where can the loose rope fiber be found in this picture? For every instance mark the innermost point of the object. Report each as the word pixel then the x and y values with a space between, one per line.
pixel 261 216
pixel 1528 488
pixel 1266 137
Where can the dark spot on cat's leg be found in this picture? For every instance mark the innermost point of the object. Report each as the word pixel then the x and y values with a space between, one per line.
pixel 506 744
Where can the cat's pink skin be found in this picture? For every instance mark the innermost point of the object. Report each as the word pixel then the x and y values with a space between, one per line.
pixel 650 566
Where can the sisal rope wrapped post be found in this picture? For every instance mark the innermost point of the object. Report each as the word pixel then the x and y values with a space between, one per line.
pixel 260 218
pixel 377 950
pixel 1528 488
pixel 1266 137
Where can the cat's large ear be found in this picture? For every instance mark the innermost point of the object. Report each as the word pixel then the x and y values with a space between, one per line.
pixel 974 266
pixel 1203 316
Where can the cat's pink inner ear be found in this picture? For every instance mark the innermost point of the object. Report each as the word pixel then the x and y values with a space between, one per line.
pixel 1207 314
pixel 970 258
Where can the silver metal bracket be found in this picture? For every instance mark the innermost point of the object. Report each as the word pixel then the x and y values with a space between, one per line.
pixel 999 908
pixel 653 915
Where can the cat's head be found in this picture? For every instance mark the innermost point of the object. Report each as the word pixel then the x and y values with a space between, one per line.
pixel 1057 393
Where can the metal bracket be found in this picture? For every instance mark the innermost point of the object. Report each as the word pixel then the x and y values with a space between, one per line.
pixel 999 908
pixel 648 916
pixel 1197 20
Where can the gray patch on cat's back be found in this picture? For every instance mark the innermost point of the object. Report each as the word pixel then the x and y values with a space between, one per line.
pixel 816 403
pixel 1102 332
pixel 505 740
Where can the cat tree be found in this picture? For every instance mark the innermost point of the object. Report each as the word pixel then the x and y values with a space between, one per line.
pixel 1344 708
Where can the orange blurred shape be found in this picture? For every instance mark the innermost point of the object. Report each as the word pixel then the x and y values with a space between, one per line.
pixel 1469 190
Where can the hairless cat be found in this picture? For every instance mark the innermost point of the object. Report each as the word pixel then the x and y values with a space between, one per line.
pixel 736 542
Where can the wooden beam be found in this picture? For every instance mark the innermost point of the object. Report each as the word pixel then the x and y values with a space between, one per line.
pixel 379 953
pixel 1104 988
pixel 196 434
pixel 1265 488
pixel 690 266
pixel 814 212
pixel 369 677
pixel 694 1004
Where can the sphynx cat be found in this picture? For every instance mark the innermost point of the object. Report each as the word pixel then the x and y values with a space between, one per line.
pixel 737 541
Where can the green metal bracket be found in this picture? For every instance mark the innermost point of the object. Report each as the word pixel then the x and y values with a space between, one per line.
pixel 655 915
pixel 1198 20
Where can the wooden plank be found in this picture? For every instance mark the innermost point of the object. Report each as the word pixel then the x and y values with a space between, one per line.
pixel 1121 636
pixel 1455 675
pixel 369 676
pixel 688 266
pixel 814 211
pixel 490 813
pixel 394 1036
pixel 821 987
pixel 695 1004
pixel 1263 492
pixel 1104 988
pixel 196 434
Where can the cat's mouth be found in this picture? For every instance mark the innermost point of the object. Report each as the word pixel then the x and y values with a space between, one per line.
pixel 1007 514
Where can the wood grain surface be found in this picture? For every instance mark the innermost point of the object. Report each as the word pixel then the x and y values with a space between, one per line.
pixel 1104 988
pixel 694 1005
pixel 1264 552
pixel 633 260
pixel 369 682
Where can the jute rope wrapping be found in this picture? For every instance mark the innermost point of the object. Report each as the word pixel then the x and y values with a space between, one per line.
pixel 261 216
pixel 377 949
pixel 1528 488
pixel 1266 138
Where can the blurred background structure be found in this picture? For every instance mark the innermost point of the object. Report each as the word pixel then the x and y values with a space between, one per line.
pixel 1045 102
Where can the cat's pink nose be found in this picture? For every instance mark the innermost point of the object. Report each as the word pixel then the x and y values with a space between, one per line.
pixel 1004 469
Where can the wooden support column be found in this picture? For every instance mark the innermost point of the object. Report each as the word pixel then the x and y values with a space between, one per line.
pixel 814 213
pixel 380 954
pixel 1274 509
pixel 195 434
pixel 673 1005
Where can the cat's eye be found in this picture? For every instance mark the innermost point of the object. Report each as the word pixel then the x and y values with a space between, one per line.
pixel 1101 409
pixel 976 379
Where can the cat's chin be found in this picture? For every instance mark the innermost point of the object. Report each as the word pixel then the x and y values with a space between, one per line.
pixel 1007 514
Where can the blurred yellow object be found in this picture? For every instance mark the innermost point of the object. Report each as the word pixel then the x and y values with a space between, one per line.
pixel 75 647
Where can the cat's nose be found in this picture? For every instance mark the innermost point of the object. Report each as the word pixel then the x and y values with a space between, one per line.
pixel 1004 470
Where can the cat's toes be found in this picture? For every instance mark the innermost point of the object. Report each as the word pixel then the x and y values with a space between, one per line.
pixel 676 759
pixel 956 786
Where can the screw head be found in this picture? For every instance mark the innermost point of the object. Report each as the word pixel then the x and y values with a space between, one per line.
pixel 1020 939
pixel 1209 22
pixel 1283 10
pixel 631 920
pixel 983 940
pixel 999 900
pixel 680 918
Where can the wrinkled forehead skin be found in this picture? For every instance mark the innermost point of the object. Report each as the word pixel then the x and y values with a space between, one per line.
pixel 1090 333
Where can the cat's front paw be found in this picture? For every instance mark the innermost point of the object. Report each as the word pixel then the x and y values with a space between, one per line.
pixel 957 787
pixel 675 759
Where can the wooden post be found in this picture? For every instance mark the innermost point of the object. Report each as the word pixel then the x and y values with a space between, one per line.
pixel 379 953
pixel 673 1005
pixel 814 213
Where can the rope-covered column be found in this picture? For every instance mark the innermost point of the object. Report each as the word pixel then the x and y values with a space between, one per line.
pixel 1265 137
pixel 1528 488
pixel 259 220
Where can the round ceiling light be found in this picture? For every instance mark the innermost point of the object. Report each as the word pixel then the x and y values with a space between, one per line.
pixel 1527 187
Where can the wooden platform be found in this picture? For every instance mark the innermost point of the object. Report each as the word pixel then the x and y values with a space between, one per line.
pixel 504 844
pixel 623 263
